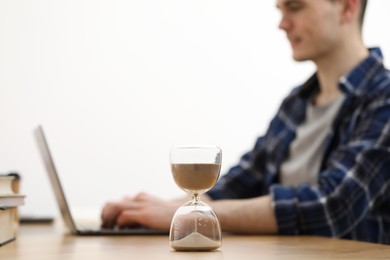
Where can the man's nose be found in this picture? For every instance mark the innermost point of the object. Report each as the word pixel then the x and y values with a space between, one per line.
pixel 284 24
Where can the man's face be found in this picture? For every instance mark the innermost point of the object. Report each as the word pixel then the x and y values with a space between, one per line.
pixel 311 26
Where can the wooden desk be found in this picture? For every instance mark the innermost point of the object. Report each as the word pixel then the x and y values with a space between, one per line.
pixel 49 242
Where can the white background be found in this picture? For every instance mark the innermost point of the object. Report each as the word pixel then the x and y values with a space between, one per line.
pixel 116 83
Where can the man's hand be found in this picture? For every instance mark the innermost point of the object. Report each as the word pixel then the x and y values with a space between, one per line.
pixel 250 216
pixel 143 209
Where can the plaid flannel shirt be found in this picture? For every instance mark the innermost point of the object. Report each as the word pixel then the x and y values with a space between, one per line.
pixel 352 198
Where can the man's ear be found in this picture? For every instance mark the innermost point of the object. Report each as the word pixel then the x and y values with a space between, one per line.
pixel 349 10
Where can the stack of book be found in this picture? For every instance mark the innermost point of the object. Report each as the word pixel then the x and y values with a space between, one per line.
pixel 10 200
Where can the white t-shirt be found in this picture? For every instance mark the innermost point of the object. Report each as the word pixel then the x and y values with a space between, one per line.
pixel 306 150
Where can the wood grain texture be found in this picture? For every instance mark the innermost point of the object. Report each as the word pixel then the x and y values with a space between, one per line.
pixel 51 242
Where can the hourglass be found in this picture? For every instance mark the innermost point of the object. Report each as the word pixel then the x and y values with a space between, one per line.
pixel 195 169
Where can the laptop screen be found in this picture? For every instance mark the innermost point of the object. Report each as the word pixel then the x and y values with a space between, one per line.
pixel 54 178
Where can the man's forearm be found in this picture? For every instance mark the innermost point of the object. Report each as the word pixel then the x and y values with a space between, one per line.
pixel 251 216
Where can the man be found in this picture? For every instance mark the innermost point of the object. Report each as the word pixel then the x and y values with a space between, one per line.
pixel 323 166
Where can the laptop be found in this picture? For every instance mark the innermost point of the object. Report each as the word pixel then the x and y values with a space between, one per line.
pixel 74 227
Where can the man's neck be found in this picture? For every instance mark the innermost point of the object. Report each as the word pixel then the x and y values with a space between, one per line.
pixel 335 65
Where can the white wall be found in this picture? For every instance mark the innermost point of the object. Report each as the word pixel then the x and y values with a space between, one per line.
pixel 116 83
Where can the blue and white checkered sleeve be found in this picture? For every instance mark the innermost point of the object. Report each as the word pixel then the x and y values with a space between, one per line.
pixel 354 185
pixel 242 180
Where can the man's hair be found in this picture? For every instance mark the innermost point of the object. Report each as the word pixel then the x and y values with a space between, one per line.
pixel 363 4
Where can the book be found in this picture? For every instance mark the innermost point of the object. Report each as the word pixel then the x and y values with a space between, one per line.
pixel 11 200
pixel 15 182
pixel 9 183
pixel 6 184
pixel 8 224
pixel 9 190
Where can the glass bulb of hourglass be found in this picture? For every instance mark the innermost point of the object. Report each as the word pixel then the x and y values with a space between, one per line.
pixel 195 178
pixel 195 227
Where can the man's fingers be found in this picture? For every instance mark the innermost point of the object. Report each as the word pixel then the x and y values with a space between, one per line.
pixel 110 213
pixel 128 218
pixel 125 212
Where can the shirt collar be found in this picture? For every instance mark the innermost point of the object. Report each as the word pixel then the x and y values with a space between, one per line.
pixel 355 81
pixel 352 83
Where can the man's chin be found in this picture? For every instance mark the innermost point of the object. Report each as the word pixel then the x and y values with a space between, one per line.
pixel 299 58
pixel 300 54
